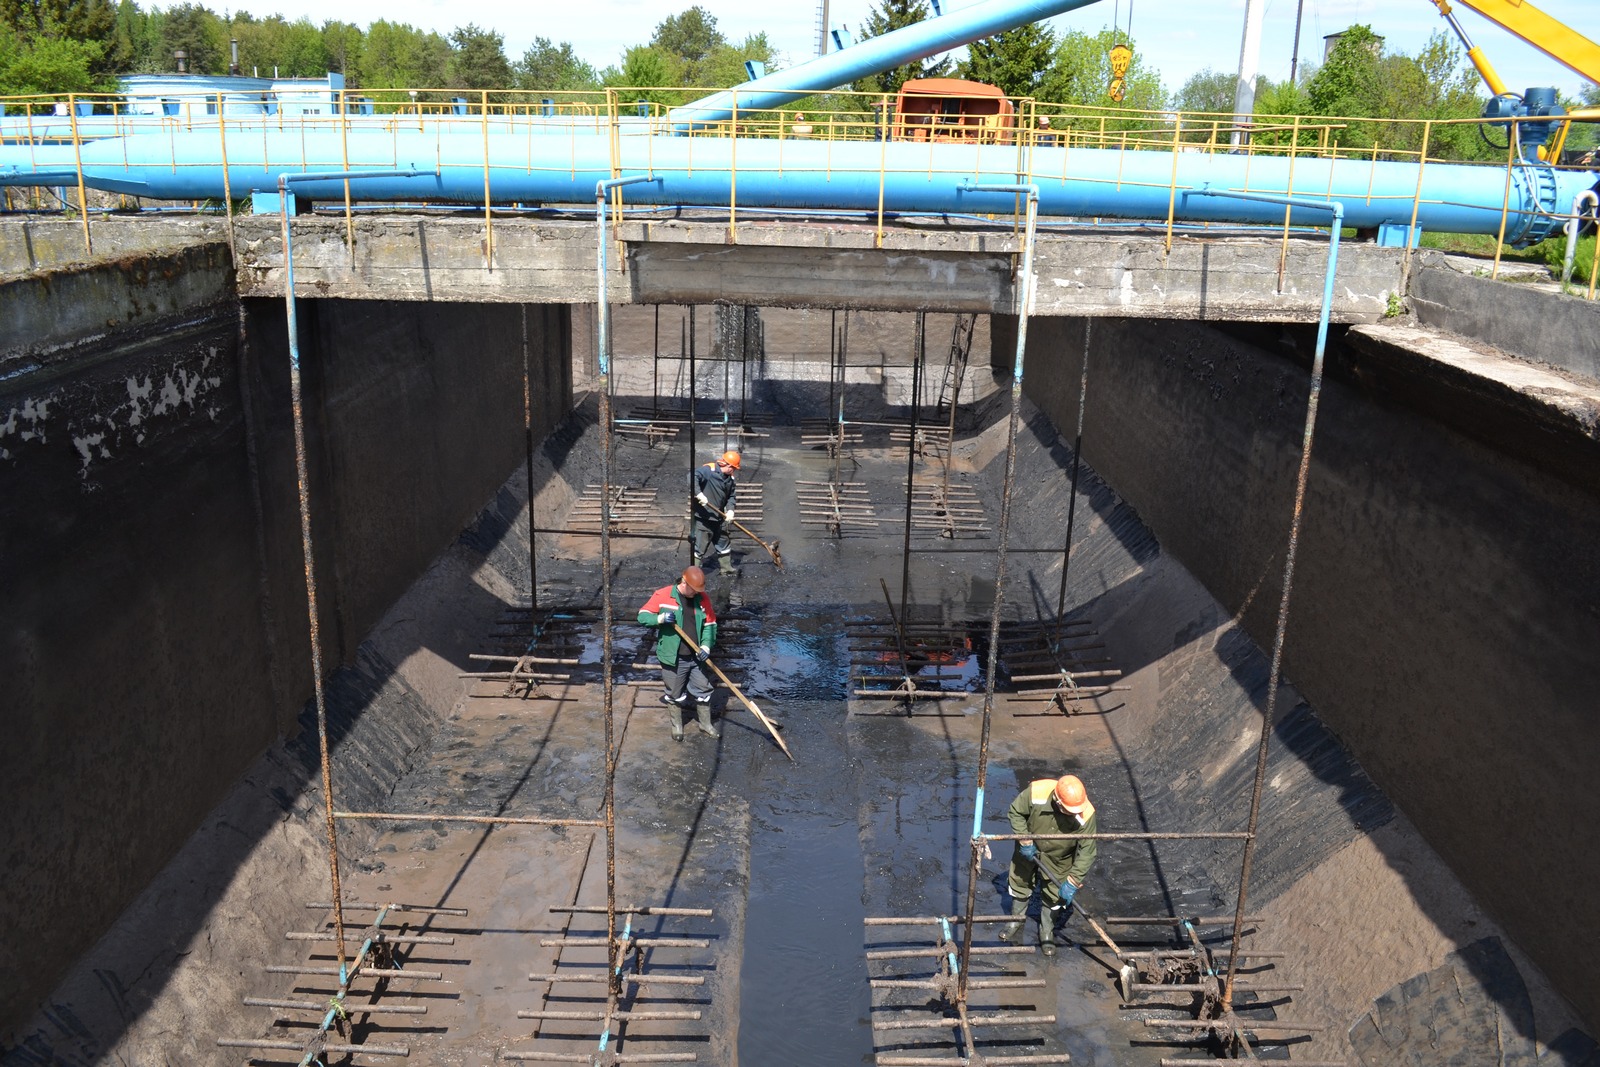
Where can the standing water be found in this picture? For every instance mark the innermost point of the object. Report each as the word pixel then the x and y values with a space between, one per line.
pixel 804 994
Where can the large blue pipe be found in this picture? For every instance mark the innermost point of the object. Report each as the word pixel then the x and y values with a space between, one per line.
pixel 841 175
pixel 908 44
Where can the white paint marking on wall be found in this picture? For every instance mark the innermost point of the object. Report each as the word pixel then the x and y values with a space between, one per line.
pixel 1125 293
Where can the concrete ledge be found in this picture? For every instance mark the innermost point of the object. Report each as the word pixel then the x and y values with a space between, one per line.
pixel 1547 326
pixel 44 312
pixel 30 244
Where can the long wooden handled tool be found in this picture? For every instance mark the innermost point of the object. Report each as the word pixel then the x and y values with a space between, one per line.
pixel 771 729
pixel 1126 974
pixel 772 549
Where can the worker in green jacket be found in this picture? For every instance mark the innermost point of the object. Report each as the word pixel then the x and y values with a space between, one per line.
pixel 1049 806
pixel 684 604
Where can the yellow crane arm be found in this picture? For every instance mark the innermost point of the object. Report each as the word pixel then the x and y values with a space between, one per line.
pixel 1554 38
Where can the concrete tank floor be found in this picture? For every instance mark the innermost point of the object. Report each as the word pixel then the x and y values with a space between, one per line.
pixel 873 816
pixel 870 820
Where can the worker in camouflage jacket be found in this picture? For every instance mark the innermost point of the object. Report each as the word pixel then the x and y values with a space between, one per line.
pixel 684 604
pixel 1049 806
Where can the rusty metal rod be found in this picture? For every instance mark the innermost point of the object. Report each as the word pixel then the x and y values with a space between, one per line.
pixel 974 983
pixel 1230 1023
pixel 632 979
pixel 975 1021
pixel 595 909
pixel 381 972
pixel 349 1008
pixel 1165 920
pixel 935 920
pixel 1214 835
pixel 602 1016
pixel 291 1046
pixel 588 1058
pixel 988 1060
pixel 361 905
pixel 509 820
pixel 392 939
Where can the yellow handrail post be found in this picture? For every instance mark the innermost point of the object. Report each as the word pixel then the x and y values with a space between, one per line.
pixel 1416 202
pixel 488 212
pixel 77 156
pixel 1172 184
pixel 227 186
pixel 1512 133
pixel 349 215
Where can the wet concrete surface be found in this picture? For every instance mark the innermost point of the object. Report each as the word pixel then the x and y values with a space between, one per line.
pixel 871 819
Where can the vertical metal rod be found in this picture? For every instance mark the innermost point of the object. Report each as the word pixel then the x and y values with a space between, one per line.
pixel 693 455
pixel 1072 500
pixel 613 977
pixel 655 364
pixel 1301 477
pixel 911 461
pixel 744 367
pixel 1024 304
pixel 527 431
pixel 727 378
pixel 227 186
pixel 301 484
pixel 833 353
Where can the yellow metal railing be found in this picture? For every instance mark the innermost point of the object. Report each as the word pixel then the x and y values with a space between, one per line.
pixel 547 119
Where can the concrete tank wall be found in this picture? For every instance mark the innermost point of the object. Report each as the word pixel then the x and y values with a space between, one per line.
pixel 1443 617
pixel 155 638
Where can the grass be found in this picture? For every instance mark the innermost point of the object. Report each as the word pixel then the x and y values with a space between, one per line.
pixel 1549 252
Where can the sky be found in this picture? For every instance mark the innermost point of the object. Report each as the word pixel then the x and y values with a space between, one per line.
pixel 1176 38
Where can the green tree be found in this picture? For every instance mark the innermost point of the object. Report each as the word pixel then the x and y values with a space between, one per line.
pixel 50 65
pixel 888 16
pixel 342 44
pixel 692 36
pixel 1081 74
pixel 480 60
pixel 554 68
pixel 76 20
pixel 400 56
pixel 1014 60
pixel 1350 82
pixel 195 30
pixel 645 69
pixel 725 65
pixel 1209 92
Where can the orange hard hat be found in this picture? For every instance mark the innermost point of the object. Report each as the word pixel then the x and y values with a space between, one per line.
pixel 731 459
pixel 1070 794
pixel 695 579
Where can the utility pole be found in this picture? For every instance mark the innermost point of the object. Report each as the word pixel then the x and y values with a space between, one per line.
pixel 1244 95
pixel 1294 58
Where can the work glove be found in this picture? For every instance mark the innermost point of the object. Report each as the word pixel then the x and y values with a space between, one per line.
pixel 728 514
pixel 701 656
pixel 1067 891
pixel 667 618
pixel 701 497
pixel 1029 852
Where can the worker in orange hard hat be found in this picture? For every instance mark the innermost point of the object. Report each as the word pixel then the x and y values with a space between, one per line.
pixel 714 486
pixel 1047 808
pixel 684 605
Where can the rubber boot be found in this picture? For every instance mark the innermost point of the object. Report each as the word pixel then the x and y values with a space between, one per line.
pixel 674 716
pixel 725 565
pixel 702 718
pixel 1047 930
pixel 1013 931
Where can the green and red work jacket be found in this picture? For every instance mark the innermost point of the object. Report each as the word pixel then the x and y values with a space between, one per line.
pixel 1033 812
pixel 696 616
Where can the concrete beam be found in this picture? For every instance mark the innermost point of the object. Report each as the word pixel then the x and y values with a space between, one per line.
pixel 914 265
